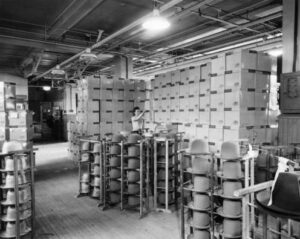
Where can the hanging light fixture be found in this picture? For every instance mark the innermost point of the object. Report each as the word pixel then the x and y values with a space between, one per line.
pixel 88 55
pixel 58 71
pixel 156 22
pixel 46 88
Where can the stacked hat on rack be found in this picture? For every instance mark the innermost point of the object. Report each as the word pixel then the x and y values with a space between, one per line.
pixel 16 195
pixel 231 177
pixel 85 158
pixel 201 206
pixel 114 169
pixel 96 170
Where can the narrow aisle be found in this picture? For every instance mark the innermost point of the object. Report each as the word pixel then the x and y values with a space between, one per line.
pixel 60 215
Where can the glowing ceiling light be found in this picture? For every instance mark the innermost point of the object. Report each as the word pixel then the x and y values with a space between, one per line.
pixel 58 71
pixel 275 52
pixel 156 22
pixel 46 88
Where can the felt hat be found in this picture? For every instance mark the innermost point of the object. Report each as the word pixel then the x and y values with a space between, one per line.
pixel 96 181
pixel 96 170
pixel 201 164
pixel 10 181
pixel 231 228
pixel 198 146
pixel 24 160
pixel 96 192
pixel 230 150
pixel 201 184
pixel 231 209
pixel 96 159
pixel 133 176
pixel 133 201
pixel 232 169
pixel 115 149
pixel 133 163
pixel 200 219
pixel 133 188
pixel 10 230
pixel 201 201
pixel 85 178
pixel 115 185
pixel 85 146
pixel 85 157
pixel 230 186
pixel 117 138
pixel 162 198
pixel 97 148
pixel 285 197
pixel 11 146
pixel 114 198
pixel 9 163
pixel 85 187
pixel 115 173
pixel 200 234
pixel 11 197
pixel 133 138
pixel 115 161
pixel 134 151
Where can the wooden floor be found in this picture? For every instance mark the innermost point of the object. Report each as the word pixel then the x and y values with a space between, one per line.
pixel 61 215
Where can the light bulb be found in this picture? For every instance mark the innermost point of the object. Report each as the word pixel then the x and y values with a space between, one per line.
pixel 46 88
pixel 156 22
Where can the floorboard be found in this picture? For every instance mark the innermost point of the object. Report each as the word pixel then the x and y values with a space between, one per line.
pixel 60 215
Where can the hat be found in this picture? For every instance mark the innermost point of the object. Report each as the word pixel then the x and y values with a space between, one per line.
pixel 24 160
pixel 201 201
pixel 201 184
pixel 10 181
pixel 231 228
pixel 162 174
pixel 114 198
pixel 10 104
pixel 11 146
pixel 85 187
pixel 198 146
pixel 96 181
pixel 96 159
pixel 117 138
pixel 200 219
pixel 97 148
pixel 96 192
pixel 203 234
pixel 133 188
pixel 85 157
pixel 9 163
pixel 133 163
pixel 133 201
pixel 231 209
pixel 229 187
pixel 201 165
pixel 133 176
pixel 10 230
pixel 115 161
pixel 133 138
pixel 85 178
pixel 162 198
pixel 11 197
pixel 114 185
pixel 10 91
pixel 232 170
pixel 85 146
pixel 134 151
pixel 285 197
pixel 230 150
pixel 115 173
pixel 96 170
pixel 115 149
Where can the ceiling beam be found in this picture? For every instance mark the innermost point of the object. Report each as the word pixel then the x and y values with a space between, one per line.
pixel 44 44
pixel 76 11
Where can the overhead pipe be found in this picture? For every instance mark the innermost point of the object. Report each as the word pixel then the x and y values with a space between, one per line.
pixel 112 36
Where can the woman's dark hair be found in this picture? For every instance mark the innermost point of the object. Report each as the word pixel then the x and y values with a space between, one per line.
pixel 135 108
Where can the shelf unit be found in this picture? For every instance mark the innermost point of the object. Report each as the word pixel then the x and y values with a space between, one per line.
pixel 134 177
pixel 90 169
pixel 165 173
pixel 17 209
pixel 197 209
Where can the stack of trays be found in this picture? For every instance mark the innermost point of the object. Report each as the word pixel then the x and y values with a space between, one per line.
pixel 96 170
pixel 9 209
pixel 201 204
pixel 114 169
pixel 133 172
pixel 162 184
pixel 232 177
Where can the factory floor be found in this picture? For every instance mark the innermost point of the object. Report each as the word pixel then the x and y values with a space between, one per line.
pixel 60 215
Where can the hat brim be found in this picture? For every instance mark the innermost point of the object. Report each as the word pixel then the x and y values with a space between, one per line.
pixel 262 199
pixel 222 214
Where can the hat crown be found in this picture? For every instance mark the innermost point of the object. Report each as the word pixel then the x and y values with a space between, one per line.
pixel 230 150
pixel 117 138
pixel 286 193
pixel 199 146
pixel 133 138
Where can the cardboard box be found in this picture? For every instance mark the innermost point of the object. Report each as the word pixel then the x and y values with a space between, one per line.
pixel 204 117
pixel 106 116
pixel 194 115
pixel 107 82
pixel 238 100
pixel 175 77
pixel 217 118
pixel 118 94
pixel 205 71
pixel 217 102
pixel 194 88
pixel 237 119
pixel 242 80
pixel 20 118
pixel 3 134
pixel 106 94
pixel 202 131
pixel 184 90
pixel 218 65
pixel 204 102
pixel 3 119
pixel 261 100
pixel 217 83
pixel 264 62
pixel 262 82
pixel 194 73
pixel 240 59
pixel 184 77
pixel 204 86
pixel 215 134
pixel 21 133
pixel 238 134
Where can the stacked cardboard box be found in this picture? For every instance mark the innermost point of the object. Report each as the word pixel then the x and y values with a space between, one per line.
pixel 15 122
pixel 226 98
